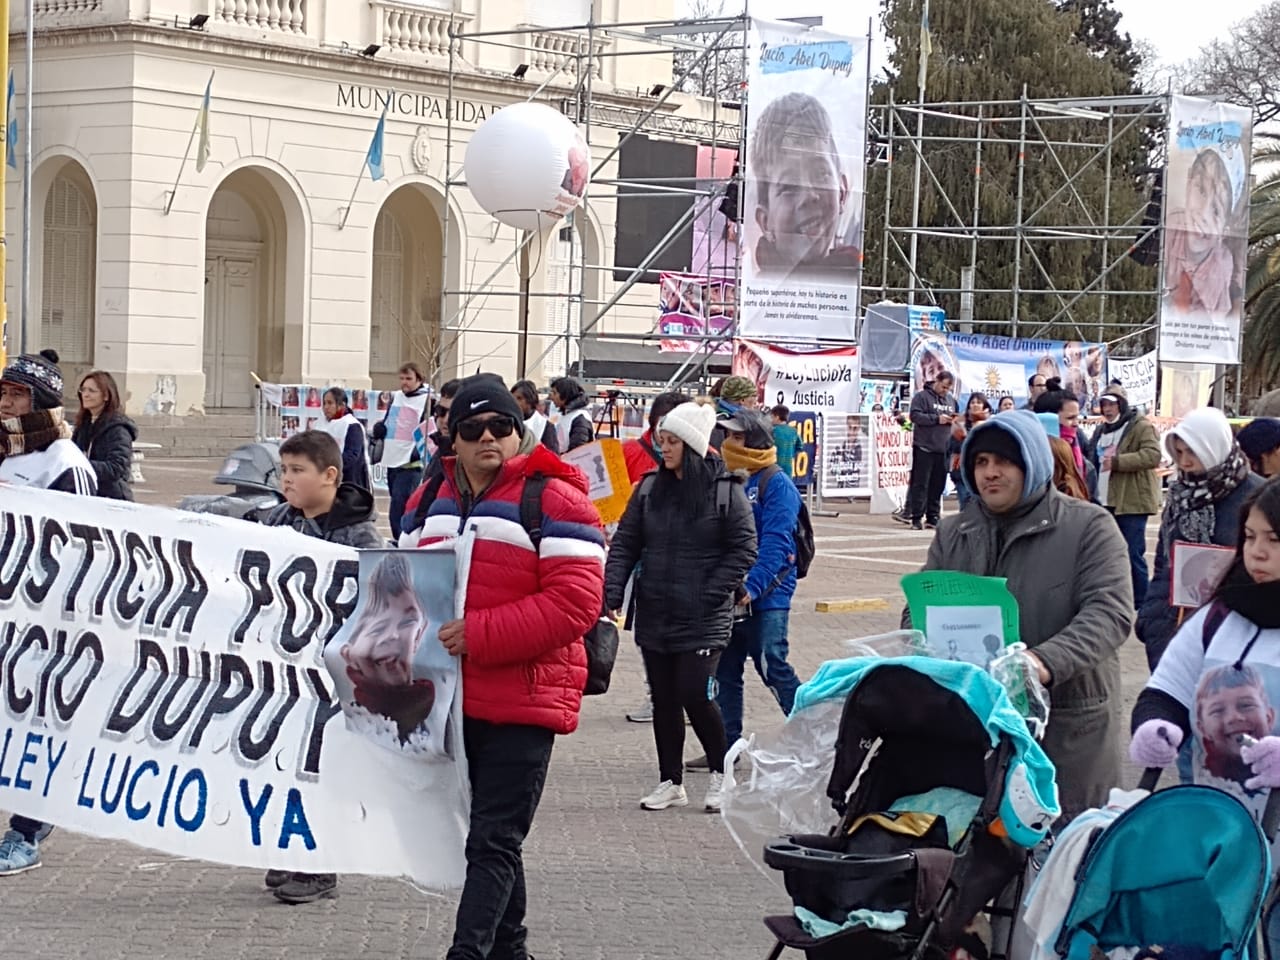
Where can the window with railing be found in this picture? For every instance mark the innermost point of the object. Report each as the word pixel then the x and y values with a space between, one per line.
pixel 409 27
pixel 283 16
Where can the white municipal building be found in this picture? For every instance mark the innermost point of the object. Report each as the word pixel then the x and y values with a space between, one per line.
pixel 249 270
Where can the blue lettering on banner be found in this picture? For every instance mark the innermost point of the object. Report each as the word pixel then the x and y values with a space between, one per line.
pixel 295 822
pixel 255 810
pixel 834 56
pixel 133 811
pixel 33 740
pixel 4 752
pixel 192 824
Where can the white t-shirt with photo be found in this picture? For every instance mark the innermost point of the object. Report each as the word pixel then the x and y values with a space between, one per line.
pixel 1107 444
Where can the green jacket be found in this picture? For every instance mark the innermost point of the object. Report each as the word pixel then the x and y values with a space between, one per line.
pixel 1134 487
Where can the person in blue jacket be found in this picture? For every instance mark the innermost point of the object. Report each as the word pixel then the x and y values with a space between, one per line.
pixel 764 599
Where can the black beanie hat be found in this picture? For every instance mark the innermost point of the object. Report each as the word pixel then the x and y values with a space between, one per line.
pixel 39 373
pixel 483 393
pixel 993 440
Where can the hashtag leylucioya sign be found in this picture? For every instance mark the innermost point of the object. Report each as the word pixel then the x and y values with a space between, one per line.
pixel 162 681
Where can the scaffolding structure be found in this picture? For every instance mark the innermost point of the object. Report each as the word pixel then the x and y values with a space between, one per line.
pixel 1069 201
pixel 607 119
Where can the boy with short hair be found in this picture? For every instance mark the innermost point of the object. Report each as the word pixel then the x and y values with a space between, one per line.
pixel 318 504
pixel 785 439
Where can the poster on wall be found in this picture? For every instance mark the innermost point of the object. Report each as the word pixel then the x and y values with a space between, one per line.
pixel 1206 230
pixel 232 693
pixel 693 307
pixel 1138 377
pixel 823 380
pixel 845 459
pixel 802 203
pixel 1001 366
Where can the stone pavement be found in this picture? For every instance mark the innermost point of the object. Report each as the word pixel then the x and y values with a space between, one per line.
pixel 607 881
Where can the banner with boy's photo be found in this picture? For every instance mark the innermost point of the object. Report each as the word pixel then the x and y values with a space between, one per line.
pixel 694 307
pixel 1206 231
pixel 845 456
pixel 1002 366
pixel 217 689
pixel 802 203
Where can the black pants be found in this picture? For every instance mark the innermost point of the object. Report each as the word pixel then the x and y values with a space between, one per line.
pixel 25 826
pixel 928 480
pixel 681 683
pixel 508 766
pixel 401 482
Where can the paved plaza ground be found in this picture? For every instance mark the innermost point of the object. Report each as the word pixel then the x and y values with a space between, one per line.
pixel 607 880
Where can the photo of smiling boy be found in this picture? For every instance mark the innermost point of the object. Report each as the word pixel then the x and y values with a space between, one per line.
pixel 802 193
pixel 1232 702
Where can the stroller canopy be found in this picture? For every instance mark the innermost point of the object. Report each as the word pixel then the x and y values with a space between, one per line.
pixel 253 466
pixel 931 711
pixel 1186 866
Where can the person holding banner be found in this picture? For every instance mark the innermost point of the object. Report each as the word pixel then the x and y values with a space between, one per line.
pixel 38 452
pixel 519 638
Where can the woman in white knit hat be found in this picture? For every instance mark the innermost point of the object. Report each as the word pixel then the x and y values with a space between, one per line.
pixel 689 536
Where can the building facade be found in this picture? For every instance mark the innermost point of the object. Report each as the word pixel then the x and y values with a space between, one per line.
pixel 188 283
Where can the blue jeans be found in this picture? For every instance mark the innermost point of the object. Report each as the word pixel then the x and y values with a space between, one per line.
pixel 401 482
pixel 762 637
pixel 1133 527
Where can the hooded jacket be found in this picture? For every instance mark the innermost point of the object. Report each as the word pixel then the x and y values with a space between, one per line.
pixel 687 568
pixel 927 431
pixel 525 612
pixel 108 445
pixel 1067 565
pixel 349 522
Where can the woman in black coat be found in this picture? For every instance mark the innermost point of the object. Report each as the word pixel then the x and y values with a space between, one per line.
pixel 689 536
pixel 574 429
pixel 106 435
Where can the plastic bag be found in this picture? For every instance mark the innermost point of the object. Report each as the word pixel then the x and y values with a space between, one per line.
pixel 1016 672
pixel 899 643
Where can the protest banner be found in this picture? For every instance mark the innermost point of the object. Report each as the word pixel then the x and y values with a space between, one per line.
pixel 694 307
pixel 163 680
pixel 1001 366
pixel 605 467
pixel 878 393
pixel 891 449
pixel 1206 231
pixel 823 380
pixel 805 462
pixel 806 134
pixel 845 456
pixel 1138 377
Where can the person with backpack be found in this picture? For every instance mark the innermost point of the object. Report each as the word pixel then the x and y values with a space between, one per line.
pixel 1217 687
pixel 688 538
pixel 763 598
pixel 519 639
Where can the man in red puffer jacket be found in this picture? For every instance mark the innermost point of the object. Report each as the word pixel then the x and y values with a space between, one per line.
pixel 520 640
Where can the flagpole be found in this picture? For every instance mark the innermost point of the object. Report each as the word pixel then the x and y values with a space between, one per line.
pixel 23 322
pixel 346 212
pixel 168 204
pixel 379 133
pixel 4 250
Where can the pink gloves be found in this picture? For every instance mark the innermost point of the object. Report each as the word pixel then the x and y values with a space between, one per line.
pixel 1155 744
pixel 1264 757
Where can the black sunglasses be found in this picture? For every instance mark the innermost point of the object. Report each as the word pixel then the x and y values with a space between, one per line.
pixel 439 410
pixel 498 427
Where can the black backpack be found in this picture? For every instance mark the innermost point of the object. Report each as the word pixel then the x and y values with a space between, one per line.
pixel 601 641
pixel 803 532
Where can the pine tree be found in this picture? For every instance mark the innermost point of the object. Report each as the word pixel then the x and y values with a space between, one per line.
pixel 989 50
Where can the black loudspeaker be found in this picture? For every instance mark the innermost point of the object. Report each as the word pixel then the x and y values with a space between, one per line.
pixel 1146 250
pixel 646 214
pixel 886 339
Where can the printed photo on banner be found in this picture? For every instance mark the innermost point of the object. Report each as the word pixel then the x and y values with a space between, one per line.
pixel 1232 701
pixel 802 204
pixel 715 224
pixel 846 455
pixel 692 308
pixel 1206 230
pixel 878 396
pixel 825 380
pixel 394 679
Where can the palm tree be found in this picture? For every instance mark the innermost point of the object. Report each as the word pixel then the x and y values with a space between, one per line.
pixel 1262 281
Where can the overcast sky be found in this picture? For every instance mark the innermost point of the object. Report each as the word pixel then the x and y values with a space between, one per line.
pixel 1177 36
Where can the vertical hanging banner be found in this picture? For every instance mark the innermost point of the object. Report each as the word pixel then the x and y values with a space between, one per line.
pixel 1206 231
pixel 802 210
pixel 217 689
pixel 846 462
pixel 824 380
pixel 1138 377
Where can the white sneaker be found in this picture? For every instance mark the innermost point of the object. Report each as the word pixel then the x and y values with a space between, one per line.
pixel 667 794
pixel 715 792
pixel 642 713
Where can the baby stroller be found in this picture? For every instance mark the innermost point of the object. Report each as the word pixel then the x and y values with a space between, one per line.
pixel 1185 868
pixel 916 736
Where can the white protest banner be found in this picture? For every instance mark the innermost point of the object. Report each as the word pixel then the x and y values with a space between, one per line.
pixel 163 681
pixel 1206 231
pixel 845 456
pixel 802 198
pixel 826 381
pixel 891 450
pixel 1138 377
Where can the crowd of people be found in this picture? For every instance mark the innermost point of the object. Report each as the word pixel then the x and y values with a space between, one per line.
pixel 705 561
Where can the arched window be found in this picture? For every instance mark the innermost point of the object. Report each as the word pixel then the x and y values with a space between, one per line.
pixel 66 312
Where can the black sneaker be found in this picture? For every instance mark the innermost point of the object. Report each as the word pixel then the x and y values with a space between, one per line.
pixel 900 516
pixel 916 525
pixel 277 878
pixel 931 524
pixel 307 888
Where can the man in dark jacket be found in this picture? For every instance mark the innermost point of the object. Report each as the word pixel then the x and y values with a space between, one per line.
pixel 933 411
pixel 318 504
pixel 1067 566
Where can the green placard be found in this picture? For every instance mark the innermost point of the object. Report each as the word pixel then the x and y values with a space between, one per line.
pixel 963 616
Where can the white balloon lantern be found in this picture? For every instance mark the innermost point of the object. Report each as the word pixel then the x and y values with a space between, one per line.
pixel 527 166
